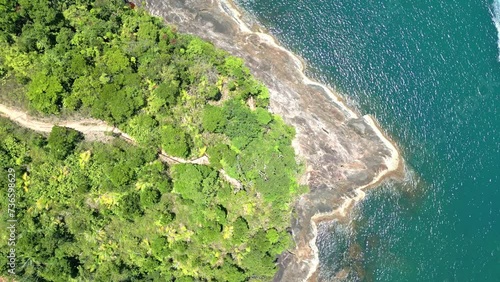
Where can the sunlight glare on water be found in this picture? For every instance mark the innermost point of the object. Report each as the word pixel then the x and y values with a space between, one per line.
pixel 429 71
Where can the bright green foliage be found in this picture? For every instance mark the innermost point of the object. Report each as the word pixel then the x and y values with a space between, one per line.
pixel 114 61
pixel 263 116
pixel 114 212
pixel 68 216
pixel 198 47
pixel 233 66
pixel 194 183
pixel 144 128
pixel 45 92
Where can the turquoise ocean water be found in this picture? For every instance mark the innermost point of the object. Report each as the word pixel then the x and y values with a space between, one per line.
pixel 429 71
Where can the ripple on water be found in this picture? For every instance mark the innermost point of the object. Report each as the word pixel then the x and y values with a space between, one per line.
pixel 429 71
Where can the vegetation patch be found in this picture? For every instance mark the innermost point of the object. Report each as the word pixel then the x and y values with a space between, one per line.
pixel 89 211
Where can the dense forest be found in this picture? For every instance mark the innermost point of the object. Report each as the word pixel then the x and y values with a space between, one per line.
pixel 95 211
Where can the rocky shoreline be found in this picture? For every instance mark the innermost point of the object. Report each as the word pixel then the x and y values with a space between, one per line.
pixel 344 153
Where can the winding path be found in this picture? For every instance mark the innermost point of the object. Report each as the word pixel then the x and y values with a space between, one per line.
pixel 89 127
pixel 94 129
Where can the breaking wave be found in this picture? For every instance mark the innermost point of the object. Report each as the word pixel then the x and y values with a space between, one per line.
pixel 495 13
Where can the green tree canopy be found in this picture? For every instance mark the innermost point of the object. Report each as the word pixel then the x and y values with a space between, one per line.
pixel 175 141
pixel 62 141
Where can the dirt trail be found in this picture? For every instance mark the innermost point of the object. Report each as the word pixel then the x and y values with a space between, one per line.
pixel 89 127
pixel 345 152
pixel 94 129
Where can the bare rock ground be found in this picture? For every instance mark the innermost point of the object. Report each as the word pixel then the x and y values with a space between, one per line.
pixel 344 153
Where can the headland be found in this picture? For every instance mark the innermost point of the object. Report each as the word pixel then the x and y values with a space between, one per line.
pixel 344 152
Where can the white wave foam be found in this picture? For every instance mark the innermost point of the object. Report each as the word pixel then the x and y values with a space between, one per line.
pixel 495 14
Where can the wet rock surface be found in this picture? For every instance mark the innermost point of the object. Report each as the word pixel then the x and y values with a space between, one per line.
pixel 342 150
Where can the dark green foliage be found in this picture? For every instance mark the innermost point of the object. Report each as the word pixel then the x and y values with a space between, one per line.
pixel 149 197
pixel 241 230
pixel 130 206
pixel 114 212
pixel 168 92
pixel 242 126
pixel 175 141
pixel 62 141
pixel 214 119
pixel 220 154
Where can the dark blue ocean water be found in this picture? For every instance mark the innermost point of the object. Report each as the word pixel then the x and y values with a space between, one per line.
pixel 429 71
